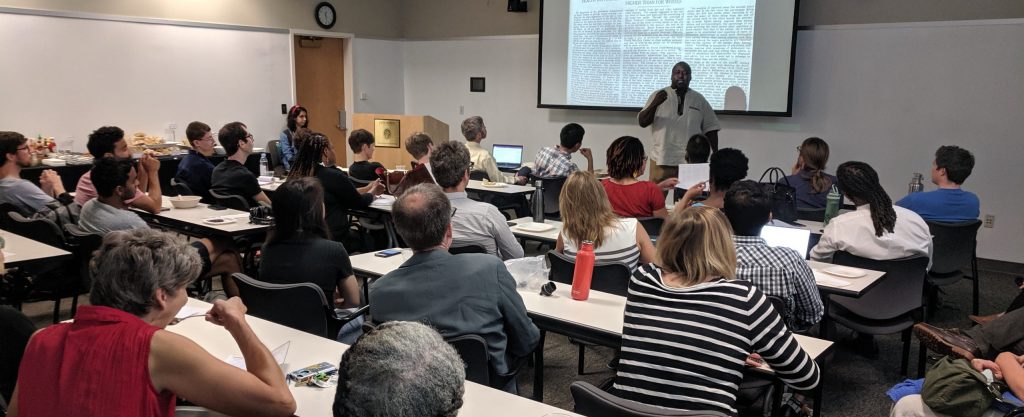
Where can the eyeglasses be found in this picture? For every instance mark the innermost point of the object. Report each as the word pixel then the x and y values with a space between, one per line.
pixel 798 148
pixel 454 209
pixel 249 136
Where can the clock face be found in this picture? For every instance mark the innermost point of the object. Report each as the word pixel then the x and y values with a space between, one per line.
pixel 325 15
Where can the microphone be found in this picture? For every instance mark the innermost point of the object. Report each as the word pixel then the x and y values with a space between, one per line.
pixel 383 175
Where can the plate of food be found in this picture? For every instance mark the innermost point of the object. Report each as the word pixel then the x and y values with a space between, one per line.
pixel 217 221
pixel 491 184
pixel 845 272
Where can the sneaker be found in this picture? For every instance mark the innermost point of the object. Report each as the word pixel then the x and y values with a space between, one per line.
pixel 951 342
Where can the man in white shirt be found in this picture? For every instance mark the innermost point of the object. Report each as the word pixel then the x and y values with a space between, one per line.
pixel 676 113
pixel 877 229
pixel 473 222
pixel 475 132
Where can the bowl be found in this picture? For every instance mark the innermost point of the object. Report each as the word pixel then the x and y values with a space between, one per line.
pixel 185 201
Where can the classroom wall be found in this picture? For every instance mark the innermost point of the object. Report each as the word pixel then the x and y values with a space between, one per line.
pixel 378 71
pixel 459 18
pixel 381 18
pixel 885 94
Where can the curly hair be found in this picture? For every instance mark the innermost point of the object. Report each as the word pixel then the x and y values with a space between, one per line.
pixel 102 140
pixel 310 146
pixel 727 166
pixel 958 162
pixel 625 157
pixel 400 369
pixel 859 181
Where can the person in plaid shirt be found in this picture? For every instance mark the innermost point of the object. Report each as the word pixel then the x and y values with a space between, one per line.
pixel 555 161
pixel 776 271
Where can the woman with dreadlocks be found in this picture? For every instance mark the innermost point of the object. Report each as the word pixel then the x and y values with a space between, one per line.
pixel 877 229
pixel 629 196
pixel 315 158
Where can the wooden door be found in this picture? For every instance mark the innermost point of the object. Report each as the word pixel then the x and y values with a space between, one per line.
pixel 320 87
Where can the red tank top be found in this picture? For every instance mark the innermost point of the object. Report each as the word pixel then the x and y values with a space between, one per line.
pixel 96 366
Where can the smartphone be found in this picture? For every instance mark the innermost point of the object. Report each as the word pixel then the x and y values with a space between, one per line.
pixel 216 207
pixel 388 253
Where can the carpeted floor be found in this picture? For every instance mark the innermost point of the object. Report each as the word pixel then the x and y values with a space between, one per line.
pixel 855 385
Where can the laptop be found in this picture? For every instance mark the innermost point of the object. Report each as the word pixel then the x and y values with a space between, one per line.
pixel 507 157
pixel 797 239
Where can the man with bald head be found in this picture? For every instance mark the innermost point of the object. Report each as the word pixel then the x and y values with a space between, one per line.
pixel 675 113
pixel 470 293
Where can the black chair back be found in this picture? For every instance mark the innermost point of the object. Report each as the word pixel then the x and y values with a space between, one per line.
pixel 455 250
pixel 301 306
pixel 552 189
pixel 17 330
pixel 814 215
pixel 39 230
pixel 83 244
pixel 652 225
pixel 274 152
pixel 473 350
pixel 611 277
pixel 479 175
pixel 230 201
pixel 592 401
pixel 180 188
pixel 4 218
pixel 899 292
pixel 953 246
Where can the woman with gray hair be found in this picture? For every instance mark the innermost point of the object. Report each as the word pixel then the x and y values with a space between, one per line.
pixel 419 372
pixel 116 359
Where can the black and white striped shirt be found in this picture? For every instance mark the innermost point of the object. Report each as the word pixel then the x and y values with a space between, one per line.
pixel 684 348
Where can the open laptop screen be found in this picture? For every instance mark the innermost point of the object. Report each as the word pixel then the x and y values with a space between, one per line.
pixel 789 237
pixel 511 155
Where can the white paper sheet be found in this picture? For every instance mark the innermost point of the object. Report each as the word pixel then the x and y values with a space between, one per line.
pixel 280 353
pixel 690 174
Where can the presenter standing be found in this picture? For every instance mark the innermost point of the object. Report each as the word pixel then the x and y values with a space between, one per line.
pixel 675 113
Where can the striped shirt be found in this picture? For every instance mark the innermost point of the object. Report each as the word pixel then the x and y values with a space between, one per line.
pixel 684 348
pixel 619 244
pixel 780 272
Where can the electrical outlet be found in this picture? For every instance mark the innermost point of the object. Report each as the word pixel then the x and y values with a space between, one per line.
pixel 990 220
pixel 462 110
pixel 172 126
pixel 362 95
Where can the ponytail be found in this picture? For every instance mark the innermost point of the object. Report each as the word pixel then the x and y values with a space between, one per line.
pixel 858 180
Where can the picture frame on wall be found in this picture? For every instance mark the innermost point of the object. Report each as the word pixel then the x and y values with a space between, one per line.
pixel 387 133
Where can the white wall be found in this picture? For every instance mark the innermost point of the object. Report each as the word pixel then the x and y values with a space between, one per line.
pixel 378 71
pixel 72 76
pixel 884 94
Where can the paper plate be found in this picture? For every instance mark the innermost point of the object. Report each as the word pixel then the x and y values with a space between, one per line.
pixel 217 221
pixel 534 227
pixel 845 272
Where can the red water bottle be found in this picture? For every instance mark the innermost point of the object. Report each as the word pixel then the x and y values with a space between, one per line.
pixel 583 272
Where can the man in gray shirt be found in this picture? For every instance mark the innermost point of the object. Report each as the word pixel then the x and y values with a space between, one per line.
pixel 474 222
pixel 458 295
pixel 115 183
pixel 21 193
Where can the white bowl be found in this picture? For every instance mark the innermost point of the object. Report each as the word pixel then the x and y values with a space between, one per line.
pixel 185 201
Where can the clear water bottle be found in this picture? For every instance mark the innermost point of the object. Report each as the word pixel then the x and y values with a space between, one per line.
pixel 916 184
pixel 538 202
pixel 264 165
pixel 831 204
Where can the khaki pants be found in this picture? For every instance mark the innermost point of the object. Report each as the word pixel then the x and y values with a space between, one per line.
pixel 660 172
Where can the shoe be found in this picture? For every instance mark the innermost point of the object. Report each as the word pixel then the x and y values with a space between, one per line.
pixel 951 342
pixel 984 319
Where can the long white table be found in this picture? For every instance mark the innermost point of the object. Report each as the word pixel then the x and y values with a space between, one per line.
pixel 500 188
pixel 307 349
pixel 827 283
pixel 597 320
pixel 20 250
pixel 190 221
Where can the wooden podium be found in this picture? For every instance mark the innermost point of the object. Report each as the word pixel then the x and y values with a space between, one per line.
pixel 407 125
